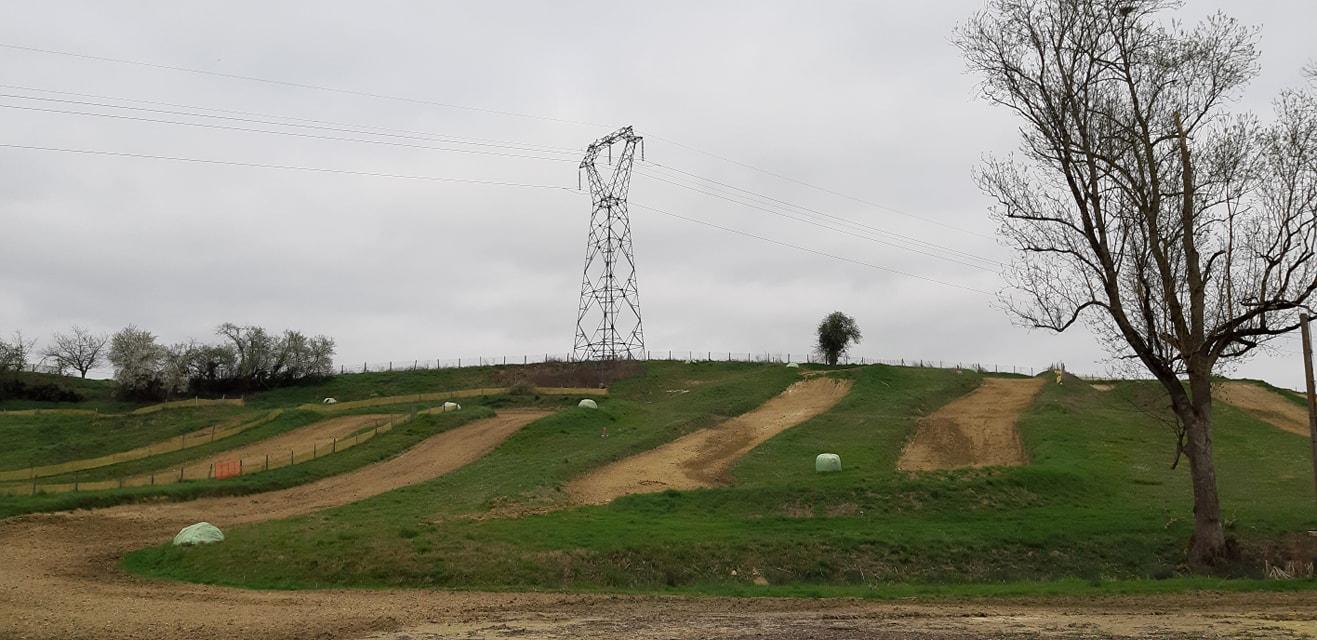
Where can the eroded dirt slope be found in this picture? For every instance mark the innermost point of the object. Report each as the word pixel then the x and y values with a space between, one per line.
pixel 974 430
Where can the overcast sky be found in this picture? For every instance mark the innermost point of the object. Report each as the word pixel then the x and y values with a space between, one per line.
pixel 868 99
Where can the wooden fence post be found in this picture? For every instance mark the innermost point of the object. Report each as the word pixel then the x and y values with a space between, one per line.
pixel 1312 389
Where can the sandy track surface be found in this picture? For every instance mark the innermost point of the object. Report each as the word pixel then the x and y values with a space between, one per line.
pixel 319 434
pixel 1266 405
pixel 702 458
pixel 59 575
pixel 974 430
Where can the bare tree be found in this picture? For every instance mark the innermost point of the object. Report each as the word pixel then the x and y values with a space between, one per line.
pixel 16 352
pixel 1183 235
pixel 80 350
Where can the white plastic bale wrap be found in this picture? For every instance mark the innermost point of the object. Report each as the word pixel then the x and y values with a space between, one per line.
pixel 452 406
pixel 199 533
pixel 588 404
pixel 826 462
pixel 792 365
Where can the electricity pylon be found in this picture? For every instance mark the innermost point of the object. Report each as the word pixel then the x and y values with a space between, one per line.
pixel 608 325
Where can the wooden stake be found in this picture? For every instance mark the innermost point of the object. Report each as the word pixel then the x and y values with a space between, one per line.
pixel 1312 391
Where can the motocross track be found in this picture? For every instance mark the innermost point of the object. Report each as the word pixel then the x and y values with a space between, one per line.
pixel 974 430
pixel 59 579
pixel 319 434
pixel 702 458
pixel 1266 405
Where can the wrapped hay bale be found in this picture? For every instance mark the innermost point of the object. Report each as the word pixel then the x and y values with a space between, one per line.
pixel 452 406
pixel 199 533
pixel 588 404
pixel 826 462
pixel 792 365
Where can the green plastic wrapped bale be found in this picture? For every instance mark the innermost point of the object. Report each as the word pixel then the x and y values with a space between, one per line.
pixel 588 404
pixel 199 533
pixel 827 462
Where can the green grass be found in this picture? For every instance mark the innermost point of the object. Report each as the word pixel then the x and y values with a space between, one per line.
pixel 27 440
pixel 379 448
pixel 1098 510
pixel 97 394
pixel 362 386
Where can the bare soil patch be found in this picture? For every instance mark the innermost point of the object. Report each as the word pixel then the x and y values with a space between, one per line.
pixel 975 430
pixel 1266 405
pixel 1280 616
pixel 702 458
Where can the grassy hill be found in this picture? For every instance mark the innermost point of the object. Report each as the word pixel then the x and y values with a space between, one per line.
pixel 1098 508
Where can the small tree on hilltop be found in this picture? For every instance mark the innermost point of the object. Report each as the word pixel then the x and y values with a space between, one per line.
pixel 80 350
pixel 837 333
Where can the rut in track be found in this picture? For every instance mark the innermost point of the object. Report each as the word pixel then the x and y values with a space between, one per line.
pixel 1265 405
pixel 702 458
pixel 975 430
pixel 59 576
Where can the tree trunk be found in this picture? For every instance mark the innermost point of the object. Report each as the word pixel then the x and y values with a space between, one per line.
pixel 1208 542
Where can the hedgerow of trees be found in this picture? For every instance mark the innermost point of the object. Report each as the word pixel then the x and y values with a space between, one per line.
pixel 247 358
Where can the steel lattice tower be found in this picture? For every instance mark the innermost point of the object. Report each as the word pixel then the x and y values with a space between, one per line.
pixel 608 323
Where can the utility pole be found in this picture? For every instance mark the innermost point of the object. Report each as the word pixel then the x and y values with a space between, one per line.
pixel 1312 391
pixel 608 325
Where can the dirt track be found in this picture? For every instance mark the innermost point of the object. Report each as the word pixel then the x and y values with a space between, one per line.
pixel 1265 405
pixel 320 434
pixel 702 458
pixel 975 430
pixel 58 579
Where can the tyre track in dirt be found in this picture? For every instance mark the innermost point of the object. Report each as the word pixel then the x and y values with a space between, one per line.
pixel 59 576
pixel 701 459
pixel 974 430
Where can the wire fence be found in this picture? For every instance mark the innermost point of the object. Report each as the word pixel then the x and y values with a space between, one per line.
pixel 219 467
pixel 692 355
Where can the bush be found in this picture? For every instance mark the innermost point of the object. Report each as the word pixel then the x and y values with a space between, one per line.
pixel 16 389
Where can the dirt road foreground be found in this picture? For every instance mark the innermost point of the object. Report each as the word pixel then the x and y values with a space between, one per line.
pixel 974 430
pixel 702 458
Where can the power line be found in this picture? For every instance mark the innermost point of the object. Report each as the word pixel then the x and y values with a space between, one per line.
pixel 514 114
pixel 847 221
pixel 807 249
pixel 298 85
pixel 381 96
pixel 821 189
pixel 263 165
pixel 816 223
pixel 280 133
pixel 367 129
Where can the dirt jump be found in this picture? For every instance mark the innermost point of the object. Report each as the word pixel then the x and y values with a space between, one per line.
pixel 1266 405
pixel 975 430
pixel 701 459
